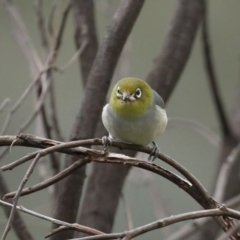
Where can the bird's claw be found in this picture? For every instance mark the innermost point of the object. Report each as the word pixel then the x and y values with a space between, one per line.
pixel 154 153
pixel 106 141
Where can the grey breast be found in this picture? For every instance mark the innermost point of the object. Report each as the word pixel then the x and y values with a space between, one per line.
pixel 138 130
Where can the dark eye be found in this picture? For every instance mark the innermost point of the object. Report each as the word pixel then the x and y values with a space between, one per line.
pixel 118 92
pixel 138 93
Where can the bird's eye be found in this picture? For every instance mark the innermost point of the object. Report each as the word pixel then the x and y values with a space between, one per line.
pixel 138 93
pixel 118 92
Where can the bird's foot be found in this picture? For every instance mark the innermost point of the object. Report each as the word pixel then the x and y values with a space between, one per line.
pixel 154 153
pixel 106 141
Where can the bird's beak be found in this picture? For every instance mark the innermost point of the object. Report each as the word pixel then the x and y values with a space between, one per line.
pixel 125 96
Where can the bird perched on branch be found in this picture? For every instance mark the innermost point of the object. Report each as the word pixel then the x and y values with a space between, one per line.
pixel 135 114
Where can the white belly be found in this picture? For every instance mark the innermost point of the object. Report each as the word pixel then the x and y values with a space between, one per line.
pixel 141 130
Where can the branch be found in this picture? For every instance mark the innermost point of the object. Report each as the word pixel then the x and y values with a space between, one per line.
pixel 212 78
pixel 211 136
pixel 197 225
pixel 224 174
pixel 52 146
pixel 4 104
pixel 228 234
pixel 18 224
pixel 41 23
pixel 169 64
pixel 85 32
pixel 74 226
pixel 30 140
pixel 64 173
pixel 17 195
pixel 166 222
pixel 201 196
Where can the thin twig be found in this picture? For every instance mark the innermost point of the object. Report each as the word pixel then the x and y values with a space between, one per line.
pixel 75 56
pixel 41 23
pixel 224 174
pixel 23 97
pixel 22 36
pixel 58 40
pixel 211 136
pixel 18 224
pixel 85 32
pixel 17 195
pixel 74 226
pixel 38 106
pixel 51 18
pixel 233 230
pixel 127 212
pixel 188 230
pixel 209 65
pixel 64 173
pixel 166 222
pixel 4 104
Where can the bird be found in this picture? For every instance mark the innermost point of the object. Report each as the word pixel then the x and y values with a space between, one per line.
pixel 135 114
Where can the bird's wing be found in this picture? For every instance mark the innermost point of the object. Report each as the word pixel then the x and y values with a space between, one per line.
pixel 158 100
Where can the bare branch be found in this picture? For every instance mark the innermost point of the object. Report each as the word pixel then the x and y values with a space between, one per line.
pixel 16 196
pixel 212 78
pixel 64 173
pixel 23 97
pixel 18 223
pixel 169 64
pixel 22 37
pixel 85 34
pixel 211 136
pixel 4 104
pixel 83 229
pixel 51 18
pixel 95 155
pixel 127 212
pixel 31 140
pixel 166 222
pixel 74 226
pixel 41 23
pixel 224 174
pixel 225 236
pixel 196 225
pixel 75 56
pixel 58 40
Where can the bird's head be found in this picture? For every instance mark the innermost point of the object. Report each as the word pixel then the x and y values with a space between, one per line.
pixel 131 97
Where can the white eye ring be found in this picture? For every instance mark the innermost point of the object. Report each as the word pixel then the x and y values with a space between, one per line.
pixel 138 93
pixel 118 92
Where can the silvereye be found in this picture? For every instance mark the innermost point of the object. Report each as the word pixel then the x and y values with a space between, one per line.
pixel 135 113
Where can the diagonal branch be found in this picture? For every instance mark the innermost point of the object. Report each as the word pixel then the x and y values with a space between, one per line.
pixel 74 226
pixel 18 223
pixel 17 195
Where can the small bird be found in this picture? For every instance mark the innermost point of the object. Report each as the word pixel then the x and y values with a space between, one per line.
pixel 135 114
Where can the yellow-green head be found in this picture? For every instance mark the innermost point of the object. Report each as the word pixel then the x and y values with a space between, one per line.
pixel 131 97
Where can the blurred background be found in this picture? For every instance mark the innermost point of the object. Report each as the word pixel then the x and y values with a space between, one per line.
pixel 190 100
